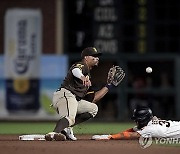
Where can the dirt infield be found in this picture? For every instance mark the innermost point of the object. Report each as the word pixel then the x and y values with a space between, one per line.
pixel 9 144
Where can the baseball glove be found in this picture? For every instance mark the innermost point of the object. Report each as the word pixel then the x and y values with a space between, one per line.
pixel 115 75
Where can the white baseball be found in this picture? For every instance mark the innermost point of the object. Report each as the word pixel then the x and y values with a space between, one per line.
pixel 149 70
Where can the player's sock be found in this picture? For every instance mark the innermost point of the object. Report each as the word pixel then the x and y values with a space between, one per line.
pixel 82 117
pixel 61 124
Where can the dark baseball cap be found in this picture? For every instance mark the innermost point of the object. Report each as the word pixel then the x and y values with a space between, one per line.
pixel 90 51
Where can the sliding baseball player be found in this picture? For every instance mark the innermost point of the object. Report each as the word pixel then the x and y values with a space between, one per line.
pixel 147 125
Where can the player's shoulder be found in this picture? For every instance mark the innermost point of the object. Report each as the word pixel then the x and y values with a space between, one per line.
pixel 79 65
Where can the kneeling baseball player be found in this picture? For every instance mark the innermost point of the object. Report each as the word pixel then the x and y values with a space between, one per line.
pixel 74 101
pixel 147 125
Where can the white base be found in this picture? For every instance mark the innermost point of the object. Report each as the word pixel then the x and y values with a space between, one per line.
pixel 32 137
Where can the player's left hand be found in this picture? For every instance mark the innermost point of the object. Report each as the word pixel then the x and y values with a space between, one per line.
pixel 115 75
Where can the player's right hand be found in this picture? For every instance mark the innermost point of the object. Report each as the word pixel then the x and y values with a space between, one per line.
pixel 86 81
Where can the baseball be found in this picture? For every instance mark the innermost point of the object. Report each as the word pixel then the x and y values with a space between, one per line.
pixel 148 69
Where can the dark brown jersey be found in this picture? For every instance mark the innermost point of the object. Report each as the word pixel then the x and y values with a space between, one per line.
pixel 90 95
pixel 74 84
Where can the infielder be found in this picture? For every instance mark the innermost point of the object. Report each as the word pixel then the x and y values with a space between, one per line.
pixel 74 100
pixel 147 126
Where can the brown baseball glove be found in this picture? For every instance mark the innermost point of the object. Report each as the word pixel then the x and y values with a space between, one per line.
pixel 115 75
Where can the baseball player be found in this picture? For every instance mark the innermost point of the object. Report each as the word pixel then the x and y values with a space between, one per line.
pixel 147 126
pixel 74 100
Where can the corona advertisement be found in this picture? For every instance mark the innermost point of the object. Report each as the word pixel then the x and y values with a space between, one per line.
pixel 22 59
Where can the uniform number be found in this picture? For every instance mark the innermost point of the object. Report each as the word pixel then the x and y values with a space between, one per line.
pixel 162 122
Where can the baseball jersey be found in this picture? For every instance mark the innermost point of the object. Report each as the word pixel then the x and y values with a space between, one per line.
pixel 161 128
pixel 74 84
pixel 89 95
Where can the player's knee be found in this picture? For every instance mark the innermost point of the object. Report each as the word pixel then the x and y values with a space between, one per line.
pixel 71 120
pixel 94 110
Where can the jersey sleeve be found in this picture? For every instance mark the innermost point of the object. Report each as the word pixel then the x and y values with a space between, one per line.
pixel 146 131
pixel 78 65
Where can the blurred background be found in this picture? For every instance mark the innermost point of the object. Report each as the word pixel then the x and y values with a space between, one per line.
pixel 40 40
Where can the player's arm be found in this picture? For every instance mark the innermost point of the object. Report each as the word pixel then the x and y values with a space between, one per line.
pixel 129 134
pixel 114 78
pixel 125 135
pixel 100 94
pixel 94 97
pixel 77 72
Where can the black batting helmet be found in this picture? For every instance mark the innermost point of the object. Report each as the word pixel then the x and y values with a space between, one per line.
pixel 142 116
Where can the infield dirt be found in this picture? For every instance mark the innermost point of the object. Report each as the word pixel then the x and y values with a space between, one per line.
pixel 9 144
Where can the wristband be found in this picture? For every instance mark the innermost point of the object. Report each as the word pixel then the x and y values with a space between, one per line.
pixel 109 86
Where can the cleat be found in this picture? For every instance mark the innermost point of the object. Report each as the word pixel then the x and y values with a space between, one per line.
pixel 68 132
pixel 53 136
pixel 59 137
pixel 49 136
pixel 101 137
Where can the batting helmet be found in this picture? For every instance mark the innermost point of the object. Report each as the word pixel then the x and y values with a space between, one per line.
pixel 142 116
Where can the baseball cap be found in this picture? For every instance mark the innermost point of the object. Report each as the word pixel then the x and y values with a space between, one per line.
pixel 90 51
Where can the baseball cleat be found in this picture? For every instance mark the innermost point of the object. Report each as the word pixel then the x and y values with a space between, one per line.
pixel 59 137
pixel 68 132
pixel 53 136
pixel 101 137
pixel 49 136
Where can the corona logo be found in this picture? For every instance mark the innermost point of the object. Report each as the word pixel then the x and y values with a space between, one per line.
pixel 21 85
